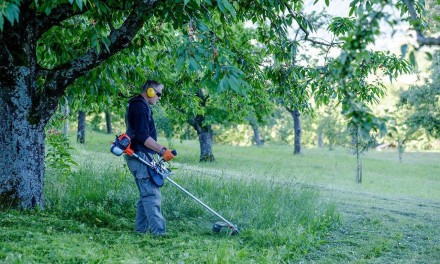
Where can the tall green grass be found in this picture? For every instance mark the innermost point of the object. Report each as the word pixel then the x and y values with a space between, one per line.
pixel 89 216
pixel 276 221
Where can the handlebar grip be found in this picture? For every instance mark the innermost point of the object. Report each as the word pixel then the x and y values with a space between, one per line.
pixel 174 152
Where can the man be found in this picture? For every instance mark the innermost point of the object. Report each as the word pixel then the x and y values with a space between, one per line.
pixel 142 131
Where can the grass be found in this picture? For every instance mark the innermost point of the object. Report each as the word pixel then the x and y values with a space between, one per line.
pixel 303 208
pixel 417 176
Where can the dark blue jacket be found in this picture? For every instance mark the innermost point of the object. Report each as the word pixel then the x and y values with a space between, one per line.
pixel 140 124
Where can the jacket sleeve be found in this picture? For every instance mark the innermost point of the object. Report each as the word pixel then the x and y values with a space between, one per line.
pixel 138 118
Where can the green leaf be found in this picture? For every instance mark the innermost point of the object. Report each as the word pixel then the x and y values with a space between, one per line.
pixel 221 6
pixel 230 8
pixel 11 13
pixel 412 58
pixel 79 3
pixel 429 55
pixel 193 64
pixel 106 42
pixel 352 9
pixel 48 10
pixel 223 85
pixel 179 64
pixel 234 83
pixel 327 2
pixel 2 21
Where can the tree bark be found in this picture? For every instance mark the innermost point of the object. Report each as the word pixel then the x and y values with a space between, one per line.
pixel 297 130
pixel 256 130
pixel 205 134
pixel 205 140
pixel 108 122
pixel 81 133
pixel 320 141
pixel 22 145
pixel 66 113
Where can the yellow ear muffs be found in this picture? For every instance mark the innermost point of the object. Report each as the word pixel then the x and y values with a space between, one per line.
pixel 151 92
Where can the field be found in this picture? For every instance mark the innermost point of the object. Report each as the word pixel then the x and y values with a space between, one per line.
pixel 290 209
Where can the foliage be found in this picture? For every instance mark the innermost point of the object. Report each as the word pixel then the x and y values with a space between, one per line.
pixel 331 126
pixel 58 156
pixel 423 103
pixel 10 10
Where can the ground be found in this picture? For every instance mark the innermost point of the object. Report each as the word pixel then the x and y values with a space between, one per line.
pixel 381 229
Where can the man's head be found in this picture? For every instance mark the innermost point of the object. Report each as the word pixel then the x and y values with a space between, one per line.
pixel 152 91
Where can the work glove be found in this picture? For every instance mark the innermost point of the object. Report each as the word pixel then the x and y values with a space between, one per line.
pixel 166 154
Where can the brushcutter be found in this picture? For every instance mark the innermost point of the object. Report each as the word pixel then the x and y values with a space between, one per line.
pixel 158 172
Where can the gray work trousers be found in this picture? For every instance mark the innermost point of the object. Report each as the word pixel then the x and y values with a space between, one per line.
pixel 148 207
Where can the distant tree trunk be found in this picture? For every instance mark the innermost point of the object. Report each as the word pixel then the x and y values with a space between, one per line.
pixel 401 149
pixel 357 148
pixel 81 134
pixel 66 113
pixel 358 169
pixel 297 127
pixel 204 132
pixel 297 130
pixel 108 122
pixel 256 130
pixel 320 141
pixel 330 142
pixel 205 140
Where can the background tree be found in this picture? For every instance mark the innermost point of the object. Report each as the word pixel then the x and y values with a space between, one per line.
pixel 423 102
pixel 330 125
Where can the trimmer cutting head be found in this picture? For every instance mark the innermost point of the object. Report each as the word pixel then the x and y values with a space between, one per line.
pixel 217 227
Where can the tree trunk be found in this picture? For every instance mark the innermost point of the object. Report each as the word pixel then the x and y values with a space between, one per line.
pixel 108 122
pixel 320 141
pixel 205 134
pixel 22 145
pixel 205 140
pixel 81 134
pixel 356 139
pixel 401 149
pixel 66 113
pixel 297 128
pixel 358 169
pixel 256 130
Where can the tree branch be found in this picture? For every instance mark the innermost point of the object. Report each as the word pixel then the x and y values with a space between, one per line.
pixel 421 39
pixel 62 76
pixel 295 16
pixel 307 33
pixel 59 14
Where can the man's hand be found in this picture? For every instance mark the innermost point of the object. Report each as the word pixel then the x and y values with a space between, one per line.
pixel 166 154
